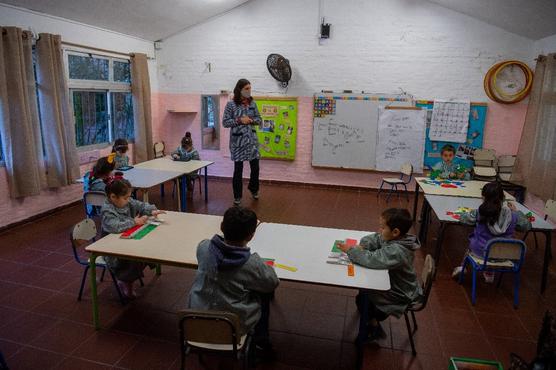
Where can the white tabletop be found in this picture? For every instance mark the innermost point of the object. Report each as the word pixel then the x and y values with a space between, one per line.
pixel 442 204
pixel 307 248
pixel 167 164
pixel 143 178
pixel 174 242
pixel 471 189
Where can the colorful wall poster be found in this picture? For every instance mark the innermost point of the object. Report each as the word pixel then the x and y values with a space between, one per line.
pixel 464 151
pixel 278 132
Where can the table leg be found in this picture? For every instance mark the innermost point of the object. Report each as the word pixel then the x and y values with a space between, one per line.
pixel 416 201
pixel 439 240
pixel 547 247
pixel 178 186
pixel 158 269
pixel 206 185
pixel 425 214
pixel 94 297
pixel 183 188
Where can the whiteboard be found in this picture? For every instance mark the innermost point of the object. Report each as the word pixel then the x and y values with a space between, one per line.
pixel 345 128
pixel 401 139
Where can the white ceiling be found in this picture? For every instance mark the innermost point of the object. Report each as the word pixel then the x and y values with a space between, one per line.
pixel 534 19
pixel 157 19
pixel 147 19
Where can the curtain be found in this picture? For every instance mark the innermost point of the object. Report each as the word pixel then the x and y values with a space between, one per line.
pixel 19 122
pixel 141 92
pixel 58 130
pixel 536 158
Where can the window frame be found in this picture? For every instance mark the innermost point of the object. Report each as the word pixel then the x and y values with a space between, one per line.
pixel 107 87
pixel 204 120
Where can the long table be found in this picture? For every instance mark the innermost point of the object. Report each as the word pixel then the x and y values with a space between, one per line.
pixel 471 189
pixel 175 243
pixel 440 205
pixel 157 171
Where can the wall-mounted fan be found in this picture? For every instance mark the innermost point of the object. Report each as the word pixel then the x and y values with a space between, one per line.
pixel 279 68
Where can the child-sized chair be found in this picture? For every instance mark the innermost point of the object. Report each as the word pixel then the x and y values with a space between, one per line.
pixel 427 276
pixel 212 332
pixel 406 174
pixel 549 213
pixel 92 200
pixel 502 255
pixel 82 234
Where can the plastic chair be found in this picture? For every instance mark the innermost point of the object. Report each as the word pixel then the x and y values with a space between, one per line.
pixel 406 170
pixel 502 255
pixel 212 332
pixel 92 200
pixel 505 166
pixel 485 173
pixel 549 213
pixel 484 157
pixel 427 277
pixel 82 234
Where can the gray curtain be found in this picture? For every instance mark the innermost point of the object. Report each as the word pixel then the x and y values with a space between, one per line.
pixel 58 129
pixel 141 92
pixel 536 158
pixel 19 123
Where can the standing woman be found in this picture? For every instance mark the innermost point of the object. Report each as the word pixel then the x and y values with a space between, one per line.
pixel 241 115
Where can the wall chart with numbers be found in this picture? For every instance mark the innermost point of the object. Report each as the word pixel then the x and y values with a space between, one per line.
pixel 449 121
pixel 464 151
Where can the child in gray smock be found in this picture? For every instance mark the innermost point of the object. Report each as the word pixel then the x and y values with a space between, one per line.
pixel 391 249
pixel 231 278
pixel 119 213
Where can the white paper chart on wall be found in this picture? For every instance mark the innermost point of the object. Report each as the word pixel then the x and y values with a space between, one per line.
pixel 450 121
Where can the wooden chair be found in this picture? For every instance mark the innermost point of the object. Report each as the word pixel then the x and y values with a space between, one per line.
pixel 549 213
pixel 212 332
pixel 406 174
pixel 427 277
pixel 505 165
pixel 81 235
pixel 93 200
pixel 484 173
pixel 502 255
pixel 158 148
pixel 484 157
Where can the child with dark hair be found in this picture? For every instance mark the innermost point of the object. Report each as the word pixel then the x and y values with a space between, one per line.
pixel 186 152
pixel 231 278
pixel 447 168
pixel 493 219
pixel 96 178
pixel 119 213
pixel 393 249
pixel 120 147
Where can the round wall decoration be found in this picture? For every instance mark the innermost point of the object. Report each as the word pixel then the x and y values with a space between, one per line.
pixel 508 82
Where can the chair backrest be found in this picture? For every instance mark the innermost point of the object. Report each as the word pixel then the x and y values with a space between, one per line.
pixel 81 234
pixel 427 276
pixel 484 171
pixel 159 149
pixel 550 209
pixel 407 169
pixel 506 162
pixel 484 157
pixel 94 198
pixel 506 249
pixel 212 327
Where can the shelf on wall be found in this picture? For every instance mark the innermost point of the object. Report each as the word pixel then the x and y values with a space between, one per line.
pixel 180 111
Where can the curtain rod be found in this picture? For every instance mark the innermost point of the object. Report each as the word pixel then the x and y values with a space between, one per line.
pixel 100 50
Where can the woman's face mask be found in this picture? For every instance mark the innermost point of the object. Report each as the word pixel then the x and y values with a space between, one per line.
pixel 246 91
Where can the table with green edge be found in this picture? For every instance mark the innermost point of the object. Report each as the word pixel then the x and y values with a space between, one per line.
pixel 173 243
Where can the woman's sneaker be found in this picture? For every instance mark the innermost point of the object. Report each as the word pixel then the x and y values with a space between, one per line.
pixel 255 195
pixel 237 201
pixel 457 272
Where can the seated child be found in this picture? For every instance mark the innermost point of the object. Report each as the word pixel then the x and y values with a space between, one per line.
pixel 186 152
pixel 447 168
pixel 393 249
pixel 119 213
pixel 493 219
pixel 231 278
pixel 120 147
pixel 95 180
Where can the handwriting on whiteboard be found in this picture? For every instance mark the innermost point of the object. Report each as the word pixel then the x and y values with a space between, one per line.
pixel 339 135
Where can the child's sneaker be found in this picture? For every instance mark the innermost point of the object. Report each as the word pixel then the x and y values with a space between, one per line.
pixel 457 272
pixel 489 276
pixel 376 332
pixel 124 288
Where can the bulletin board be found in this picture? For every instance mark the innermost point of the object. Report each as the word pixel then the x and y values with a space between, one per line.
pixel 464 151
pixel 278 132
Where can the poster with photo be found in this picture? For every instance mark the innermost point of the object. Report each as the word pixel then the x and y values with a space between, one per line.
pixel 278 132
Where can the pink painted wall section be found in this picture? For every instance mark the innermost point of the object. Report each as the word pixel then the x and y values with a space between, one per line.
pixel 15 210
pixel 502 133
pixel 503 127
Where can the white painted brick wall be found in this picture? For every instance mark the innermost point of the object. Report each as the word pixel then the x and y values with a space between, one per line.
pixel 376 46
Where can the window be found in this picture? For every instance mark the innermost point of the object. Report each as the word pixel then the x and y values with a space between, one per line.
pixel 209 122
pixel 100 89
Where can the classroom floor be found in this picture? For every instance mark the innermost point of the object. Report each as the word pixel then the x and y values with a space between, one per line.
pixel 43 326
